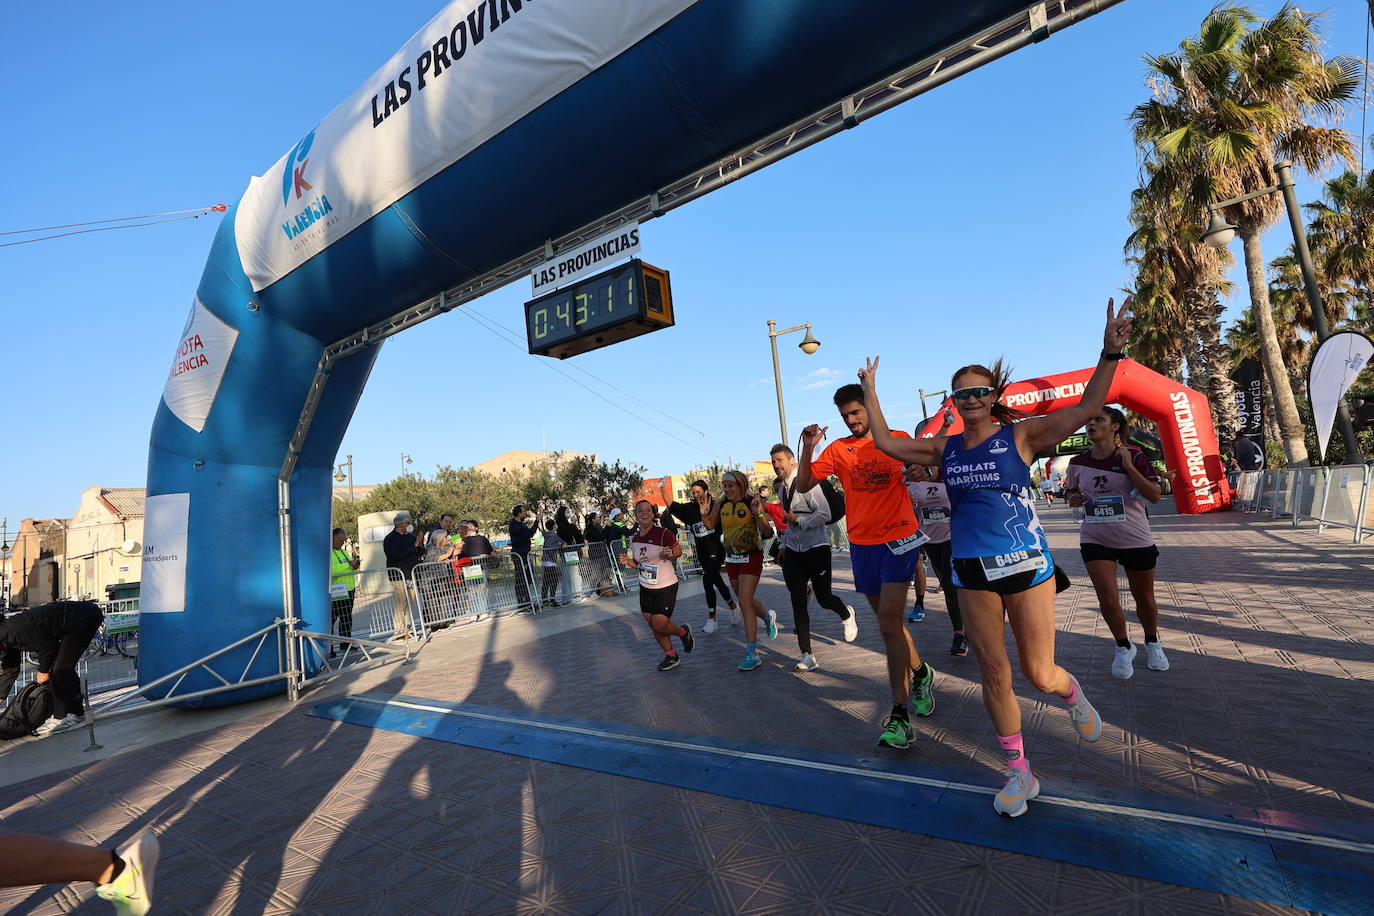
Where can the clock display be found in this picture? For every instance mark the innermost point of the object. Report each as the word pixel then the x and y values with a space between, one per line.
pixel 612 306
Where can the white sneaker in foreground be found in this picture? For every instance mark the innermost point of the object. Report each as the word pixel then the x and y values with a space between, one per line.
pixel 1155 658
pixel 132 892
pixel 851 624
pixel 710 625
pixel 1121 664
pixel 1021 787
pixel 806 663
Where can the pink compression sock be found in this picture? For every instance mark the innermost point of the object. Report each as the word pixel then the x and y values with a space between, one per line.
pixel 1072 696
pixel 671 653
pixel 1015 752
pixel 682 631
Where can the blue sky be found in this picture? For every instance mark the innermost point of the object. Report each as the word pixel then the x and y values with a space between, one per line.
pixel 983 219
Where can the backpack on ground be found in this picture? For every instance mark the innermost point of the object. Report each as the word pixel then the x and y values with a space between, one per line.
pixel 30 708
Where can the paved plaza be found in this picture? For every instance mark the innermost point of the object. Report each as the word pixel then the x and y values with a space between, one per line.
pixel 268 808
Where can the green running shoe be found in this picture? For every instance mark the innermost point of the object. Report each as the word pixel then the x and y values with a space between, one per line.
pixel 897 733
pixel 923 690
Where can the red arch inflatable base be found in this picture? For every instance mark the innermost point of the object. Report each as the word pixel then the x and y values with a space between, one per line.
pixel 1185 424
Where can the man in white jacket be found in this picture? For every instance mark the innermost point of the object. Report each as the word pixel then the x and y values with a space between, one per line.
pixel 805 554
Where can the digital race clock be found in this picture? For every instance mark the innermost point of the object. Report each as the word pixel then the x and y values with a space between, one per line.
pixel 614 305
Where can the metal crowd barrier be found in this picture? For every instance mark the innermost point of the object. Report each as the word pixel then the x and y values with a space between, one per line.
pixel 1332 497
pixel 381 607
pixel 492 586
pixel 576 572
pixel 111 660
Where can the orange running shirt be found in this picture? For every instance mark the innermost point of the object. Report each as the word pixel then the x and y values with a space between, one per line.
pixel 877 508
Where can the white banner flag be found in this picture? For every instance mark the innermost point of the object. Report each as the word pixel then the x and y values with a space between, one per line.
pixel 476 68
pixel 1337 363
pixel 166 524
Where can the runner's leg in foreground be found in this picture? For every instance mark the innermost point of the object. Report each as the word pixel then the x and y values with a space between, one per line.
pixel 125 877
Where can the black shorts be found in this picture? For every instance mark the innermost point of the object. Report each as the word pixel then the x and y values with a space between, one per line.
pixel 1135 558
pixel 969 573
pixel 658 600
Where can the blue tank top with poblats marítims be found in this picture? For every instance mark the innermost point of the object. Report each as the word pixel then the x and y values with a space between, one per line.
pixel 993 512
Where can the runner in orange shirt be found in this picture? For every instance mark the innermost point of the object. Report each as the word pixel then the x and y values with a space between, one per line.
pixel 884 547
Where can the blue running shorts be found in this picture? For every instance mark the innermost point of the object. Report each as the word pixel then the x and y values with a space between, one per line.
pixel 876 564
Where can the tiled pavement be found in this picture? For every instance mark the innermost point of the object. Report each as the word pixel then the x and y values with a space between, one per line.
pixel 1269 631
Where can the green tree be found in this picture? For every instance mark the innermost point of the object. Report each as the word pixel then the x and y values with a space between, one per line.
pixel 462 492
pixel 1233 100
pixel 1342 236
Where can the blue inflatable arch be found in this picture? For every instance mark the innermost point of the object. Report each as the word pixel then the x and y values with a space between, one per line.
pixel 461 164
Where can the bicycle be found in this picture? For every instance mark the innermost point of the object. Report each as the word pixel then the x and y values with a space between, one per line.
pixel 122 639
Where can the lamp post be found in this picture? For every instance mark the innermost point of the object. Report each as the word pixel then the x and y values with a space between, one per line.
pixel 934 394
pixel 1219 234
pixel 5 554
pixel 405 460
pixel 808 346
pixel 339 475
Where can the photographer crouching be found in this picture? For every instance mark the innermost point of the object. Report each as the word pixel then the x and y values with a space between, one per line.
pixel 57 634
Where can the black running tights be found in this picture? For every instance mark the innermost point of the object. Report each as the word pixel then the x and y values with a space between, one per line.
pixel 711 579
pixel 940 559
pixel 809 566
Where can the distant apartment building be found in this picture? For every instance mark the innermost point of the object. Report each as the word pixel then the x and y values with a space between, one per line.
pixel 103 543
pixel 517 461
pixel 34 566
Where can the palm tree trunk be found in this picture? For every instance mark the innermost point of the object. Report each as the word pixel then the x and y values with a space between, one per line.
pixel 1214 360
pixel 1285 408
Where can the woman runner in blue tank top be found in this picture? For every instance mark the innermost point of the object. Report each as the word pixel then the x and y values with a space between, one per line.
pixel 1001 562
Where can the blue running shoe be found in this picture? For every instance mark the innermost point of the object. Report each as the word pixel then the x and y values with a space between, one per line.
pixel 772 624
pixel 751 661
pixel 918 613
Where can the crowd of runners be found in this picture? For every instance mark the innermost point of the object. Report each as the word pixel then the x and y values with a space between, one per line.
pixel 964 501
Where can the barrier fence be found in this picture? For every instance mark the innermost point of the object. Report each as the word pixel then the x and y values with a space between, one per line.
pixel 1331 497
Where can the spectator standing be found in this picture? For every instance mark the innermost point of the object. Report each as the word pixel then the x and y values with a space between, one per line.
pixel 1249 456
pixel 475 544
pixel 521 539
pixel 596 534
pixel 57 634
pixel 571 554
pixel 343 586
pixel 403 552
pixel 437 542
pixel 548 584
pixel 618 533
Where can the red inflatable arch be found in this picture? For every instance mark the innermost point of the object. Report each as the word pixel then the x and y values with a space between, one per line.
pixel 1185 424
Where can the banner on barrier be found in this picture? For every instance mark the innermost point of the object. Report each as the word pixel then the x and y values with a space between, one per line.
pixel 474 70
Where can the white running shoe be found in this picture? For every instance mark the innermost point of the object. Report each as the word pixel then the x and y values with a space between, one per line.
pixel 772 620
pixel 710 625
pixel 54 725
pixel 1021 787
pixel 132 892
pixel 1155 658
pixel 851 624
pixel 734 615
pixel 1121 664
pixel 806 663
pixel 1083 716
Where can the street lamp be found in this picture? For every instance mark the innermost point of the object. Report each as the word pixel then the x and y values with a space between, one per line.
pixel 1219 234
pixel 339 475
pixel 5 554
pixel 808 346
pixel 924 395
pixel 405 460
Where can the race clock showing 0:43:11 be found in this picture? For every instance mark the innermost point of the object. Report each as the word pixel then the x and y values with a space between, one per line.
pixel 604 309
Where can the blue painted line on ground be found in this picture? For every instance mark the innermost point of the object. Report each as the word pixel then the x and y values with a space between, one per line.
pixel 1304 862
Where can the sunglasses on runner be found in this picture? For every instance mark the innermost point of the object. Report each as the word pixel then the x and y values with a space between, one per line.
pixel 978 391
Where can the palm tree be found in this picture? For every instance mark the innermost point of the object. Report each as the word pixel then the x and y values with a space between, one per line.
pixel 1182 283
pixel 1288 294
pixel 1342 238
pixel 1243 93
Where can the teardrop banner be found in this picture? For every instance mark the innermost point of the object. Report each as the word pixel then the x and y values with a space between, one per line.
pixel 1335 366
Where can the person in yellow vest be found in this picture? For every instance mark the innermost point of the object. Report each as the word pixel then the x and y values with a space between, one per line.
pixel 343 583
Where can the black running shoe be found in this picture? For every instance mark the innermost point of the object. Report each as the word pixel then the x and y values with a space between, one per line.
pixel 959 646
pixel 688 640
pixel 669 663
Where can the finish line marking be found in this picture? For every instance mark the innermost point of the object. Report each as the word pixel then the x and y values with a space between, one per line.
pixel 1330 872
pixel 1268 833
